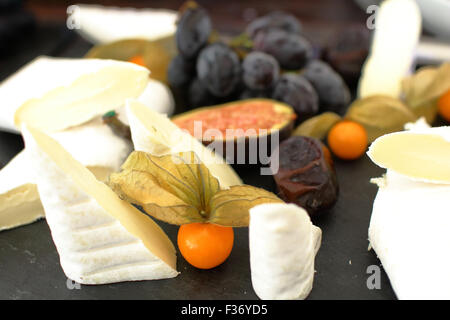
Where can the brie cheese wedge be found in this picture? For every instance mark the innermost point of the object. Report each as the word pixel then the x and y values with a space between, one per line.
pixel 57 93
pixel 99 238
pixel 397 31
pixel 93 144
pixel 283 245
pixel 154 133
pixel 99 24
pixel 409 233
pixel 19 197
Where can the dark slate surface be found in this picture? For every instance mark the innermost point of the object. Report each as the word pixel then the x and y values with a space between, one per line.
pixel 29 263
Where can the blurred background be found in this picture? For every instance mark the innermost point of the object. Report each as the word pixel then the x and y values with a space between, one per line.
pixel 38 27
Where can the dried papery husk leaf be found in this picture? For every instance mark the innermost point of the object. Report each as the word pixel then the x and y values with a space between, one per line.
pixel 380 115
pixel 156 54
pixel 179 189
pixel 318 126
pixel 423 89
pixel 228 205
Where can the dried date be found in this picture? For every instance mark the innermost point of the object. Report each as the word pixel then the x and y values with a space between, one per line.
pixel 306 174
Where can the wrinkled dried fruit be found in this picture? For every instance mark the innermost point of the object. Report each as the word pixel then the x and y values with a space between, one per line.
pixel 306 175
pixel 380 115
pixel 179 189
pixel 318 126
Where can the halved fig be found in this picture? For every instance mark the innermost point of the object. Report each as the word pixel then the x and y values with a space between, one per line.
pixel 240 129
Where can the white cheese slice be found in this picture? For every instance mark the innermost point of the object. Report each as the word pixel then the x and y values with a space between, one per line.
pixel 421 154
pixel 154 133
pixel 57 93
pixel 156 96
pixel 409 231
pixel 100 24
pixel 397 31
pixel 93 144
pixel 283 245
pixel 19 197
pixel 100 238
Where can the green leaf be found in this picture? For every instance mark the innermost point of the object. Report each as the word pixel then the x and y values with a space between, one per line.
pixel 179 189
pixel 318 126
pixel 380 115
pixel 424 88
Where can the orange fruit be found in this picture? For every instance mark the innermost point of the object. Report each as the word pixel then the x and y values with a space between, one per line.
pixel 205 245
pixel 444 106
pixel 348 140
pixel 139 60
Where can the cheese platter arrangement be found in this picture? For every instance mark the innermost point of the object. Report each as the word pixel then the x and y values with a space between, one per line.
pixel 184 164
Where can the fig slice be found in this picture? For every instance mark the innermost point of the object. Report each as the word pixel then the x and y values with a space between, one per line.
pixel 239 123
pixel 422 156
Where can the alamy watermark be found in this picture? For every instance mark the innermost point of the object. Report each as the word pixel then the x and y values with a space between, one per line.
pixel 374 280
pixel 72 22
pixel 236 146
pixel 370 22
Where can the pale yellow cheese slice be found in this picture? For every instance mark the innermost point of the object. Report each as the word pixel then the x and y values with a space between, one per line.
pixel 99 237
pixel 57 93
pixel 422 155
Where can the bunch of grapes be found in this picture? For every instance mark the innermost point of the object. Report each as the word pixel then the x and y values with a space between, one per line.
pixel 280 63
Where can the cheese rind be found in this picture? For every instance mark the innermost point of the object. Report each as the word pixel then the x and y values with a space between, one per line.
pixel 409 233
pixel 154 133
pixel 100 238
pixel 93 144
pixel 283 245
pixel 72 91
pixel 397 31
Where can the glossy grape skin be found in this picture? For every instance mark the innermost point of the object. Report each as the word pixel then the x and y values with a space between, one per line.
pixel 180 72
pixel 219 69
pixel 274 20
pixel 334 95
pixel 292 51
pixel 198 95
pixel 260 71
pixel 193 31
pixel 296 91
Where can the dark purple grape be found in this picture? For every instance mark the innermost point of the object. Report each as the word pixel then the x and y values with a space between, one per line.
pixel 292 51
pixel 219 69
pixel 274 20
pixel 260 71
pixel 193 30
pixel 297 92
pixel 333 92
pixel 180 72
pixel 347 51
pixel 250 94
pixel 199 96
